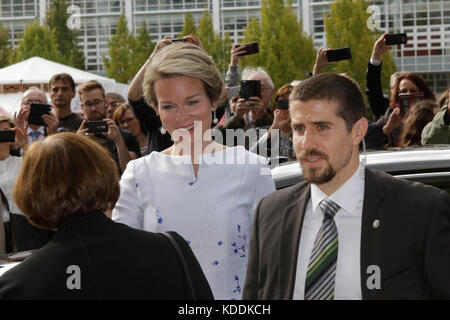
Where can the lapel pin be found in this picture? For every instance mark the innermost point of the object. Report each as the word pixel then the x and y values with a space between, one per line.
pixel 376 223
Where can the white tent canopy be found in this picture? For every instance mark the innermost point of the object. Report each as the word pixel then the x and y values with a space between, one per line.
pixel 37 70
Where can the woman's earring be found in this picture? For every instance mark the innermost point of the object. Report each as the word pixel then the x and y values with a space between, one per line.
pixel 215 120
pixel 163 130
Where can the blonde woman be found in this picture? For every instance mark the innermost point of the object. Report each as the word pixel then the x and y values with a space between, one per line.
pixel 198 187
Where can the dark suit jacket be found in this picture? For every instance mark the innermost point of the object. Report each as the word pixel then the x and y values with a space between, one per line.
pixel 377 101
pixel 411 246
pixel 115 261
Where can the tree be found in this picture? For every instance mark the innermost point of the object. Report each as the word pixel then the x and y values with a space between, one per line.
pixel 121 47
pixel 36 41
pixel 285 51
pixel 144 47
pixel 347 27
pixel 5 48
pixel 188 25
pixel 217 48
pixel 56 20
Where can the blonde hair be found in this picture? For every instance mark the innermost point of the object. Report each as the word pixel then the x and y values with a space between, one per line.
pixel 182 59
pixel 7 119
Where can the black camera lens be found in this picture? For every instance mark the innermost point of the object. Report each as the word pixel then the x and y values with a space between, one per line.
pixel 250 88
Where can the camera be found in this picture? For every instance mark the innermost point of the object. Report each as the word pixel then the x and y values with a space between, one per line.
pixel 407 100
pixel 250 88
pixel 283 104
pixel 398 38
pixel 339 54
pixel 178 40
pixel 97 126
pixel 251 48
pixel 7 136
pixel 37 110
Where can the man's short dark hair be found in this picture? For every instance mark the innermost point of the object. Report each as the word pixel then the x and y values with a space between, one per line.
pixel 64 77
pixel 337 88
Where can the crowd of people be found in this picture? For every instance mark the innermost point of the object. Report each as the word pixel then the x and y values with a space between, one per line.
pixel 164 160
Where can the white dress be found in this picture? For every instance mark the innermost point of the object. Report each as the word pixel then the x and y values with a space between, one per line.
pixel 9 170
pixel 213 212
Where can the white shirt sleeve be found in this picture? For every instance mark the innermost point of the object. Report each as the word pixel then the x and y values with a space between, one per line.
pixel 128 209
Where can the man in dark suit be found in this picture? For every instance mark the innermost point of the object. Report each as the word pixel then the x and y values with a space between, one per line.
pixel 347 232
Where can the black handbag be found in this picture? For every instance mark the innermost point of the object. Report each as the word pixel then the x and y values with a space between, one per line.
pixel 180 256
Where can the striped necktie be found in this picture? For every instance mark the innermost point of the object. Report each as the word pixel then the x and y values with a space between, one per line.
pixel 320 277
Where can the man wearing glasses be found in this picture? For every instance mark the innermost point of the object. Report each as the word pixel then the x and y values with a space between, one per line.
pixel 122 145
pixel 35 132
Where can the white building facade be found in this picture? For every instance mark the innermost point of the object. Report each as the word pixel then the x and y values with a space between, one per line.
pixel 427 23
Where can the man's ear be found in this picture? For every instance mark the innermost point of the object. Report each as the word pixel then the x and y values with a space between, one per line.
pixel 359 130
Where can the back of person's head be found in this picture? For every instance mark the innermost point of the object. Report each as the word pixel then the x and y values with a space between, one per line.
pixel 334 88
pixel 283 93
pixel 416 119
pixel 250 71
pixel 65 175
pixel 116 96
pixel 182 59
pixel 89 86
pixel 64 77
pixel 417 80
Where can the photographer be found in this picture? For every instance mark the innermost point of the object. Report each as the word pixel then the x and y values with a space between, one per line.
pixel 122 145
pixel 19 234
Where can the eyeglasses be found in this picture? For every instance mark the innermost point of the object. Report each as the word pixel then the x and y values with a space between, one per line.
pixel 123 121
pixel 95 103
pixel 113 104
pixel 28 102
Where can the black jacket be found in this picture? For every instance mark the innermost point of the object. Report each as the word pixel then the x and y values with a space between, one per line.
pixel 114 261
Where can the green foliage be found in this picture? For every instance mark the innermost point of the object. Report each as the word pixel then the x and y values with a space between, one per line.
pixel 144 47
pixel 56 20
pixel 36 41
pixel 347 27
pixel 219 49
pixel 188 25
pixel 285 51
pixel 5 48
pixel 119 63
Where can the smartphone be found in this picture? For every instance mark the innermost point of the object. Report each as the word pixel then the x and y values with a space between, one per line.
pixel 37 110
pixel 398 38
pixel 7 136
pixel 233 92
pixel 339 54
pixel 250 88
pixel 283 104
pixel 178 40
pixel 96 126
pixel 406 101
pixel 251 48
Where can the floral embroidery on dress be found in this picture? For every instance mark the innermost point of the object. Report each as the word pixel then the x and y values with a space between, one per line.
pixel 240 248
pixel 238 286
pixel 220 243
pixel 215 263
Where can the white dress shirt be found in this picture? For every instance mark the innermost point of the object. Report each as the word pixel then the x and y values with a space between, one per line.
pixel 350 198
pixel 40 130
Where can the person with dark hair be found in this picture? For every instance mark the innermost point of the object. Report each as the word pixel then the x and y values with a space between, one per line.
pixel 121 144
pixel 126 119
pixel 62 91
pixel 90 256
pixel 346 232
pixel 416 119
